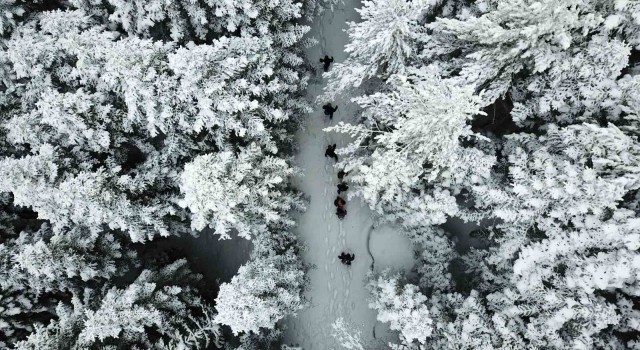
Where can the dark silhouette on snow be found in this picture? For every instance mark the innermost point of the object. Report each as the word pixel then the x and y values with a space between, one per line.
pixel 346 258
pixel 342 174
pixel 342 187
pixel 331 152
pixel 328 110
pixel 341 212
pixel 327 61
pixel 339 202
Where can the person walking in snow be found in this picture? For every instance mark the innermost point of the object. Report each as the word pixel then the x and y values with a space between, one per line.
pixel 329 110
pixel 341 212
pixel 331 152
pixel 346 258
pixel 327 61
pixel 342 187
pixel 339 202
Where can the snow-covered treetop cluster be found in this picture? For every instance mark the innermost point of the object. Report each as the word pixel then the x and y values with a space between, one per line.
pixel 125 121
pixel 520 116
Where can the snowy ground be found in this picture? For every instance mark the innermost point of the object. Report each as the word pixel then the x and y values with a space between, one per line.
pixel 336 290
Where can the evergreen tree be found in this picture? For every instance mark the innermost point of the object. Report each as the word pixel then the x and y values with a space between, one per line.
pixel 241 193
pixel 111 142
pixel 158 310
pixel 402 306
pixel 264 291
pixel 408 157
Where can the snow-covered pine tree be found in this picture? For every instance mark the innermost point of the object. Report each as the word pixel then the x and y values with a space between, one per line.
pixel 408 157
pixel 188 20
pixel 563 197
pixel 246 192
pixel 100 118
pixel 434 252
pixel 551 56
pixel 266 289
pixel 118 137
pixel 402 306
pixel 380 45
pixel 567 244
pixel 39 268
pixel 20 308
pixel 561 271
pixel 66 260
pixel 158 310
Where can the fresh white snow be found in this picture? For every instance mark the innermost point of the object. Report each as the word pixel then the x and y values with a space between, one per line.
pixel 336 290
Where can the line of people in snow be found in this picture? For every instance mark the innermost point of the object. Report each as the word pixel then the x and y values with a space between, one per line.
pixel 341 212
pixel 339 202
pixel 330 152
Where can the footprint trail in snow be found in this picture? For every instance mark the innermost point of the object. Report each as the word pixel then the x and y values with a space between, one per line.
pixel 335 290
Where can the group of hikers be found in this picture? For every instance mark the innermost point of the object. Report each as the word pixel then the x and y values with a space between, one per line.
pixel 339 202
pixel 330 152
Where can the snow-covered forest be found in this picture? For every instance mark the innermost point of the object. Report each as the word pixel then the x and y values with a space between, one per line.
pixel 488 152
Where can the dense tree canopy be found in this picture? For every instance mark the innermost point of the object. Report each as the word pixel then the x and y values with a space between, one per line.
pixel 123 122
pixel 552 180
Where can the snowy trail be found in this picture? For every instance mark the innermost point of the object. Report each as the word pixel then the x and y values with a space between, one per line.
pixel 336 290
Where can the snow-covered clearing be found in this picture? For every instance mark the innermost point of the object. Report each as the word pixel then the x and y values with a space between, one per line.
pixel 336 290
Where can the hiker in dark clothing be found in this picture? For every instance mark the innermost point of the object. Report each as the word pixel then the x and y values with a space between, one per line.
pixel 327 61
pixel 341 175
pixel 346 258
pixel 341 212
pixel 328 110
pixel 342 187
pixel 331 152
pixel 339 202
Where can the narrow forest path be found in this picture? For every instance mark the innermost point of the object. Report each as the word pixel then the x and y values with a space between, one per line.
pixel 336 290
